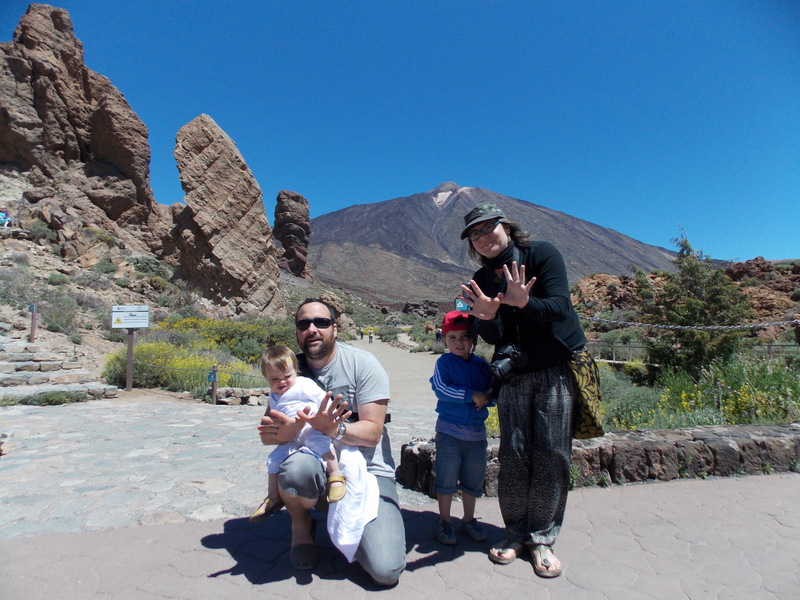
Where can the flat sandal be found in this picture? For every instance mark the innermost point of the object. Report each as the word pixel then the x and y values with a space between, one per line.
pixel 544 552
pixel 506 547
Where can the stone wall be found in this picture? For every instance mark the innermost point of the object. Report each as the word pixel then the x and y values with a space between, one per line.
pixel 619 457
pixel 237 396
pixel 643 455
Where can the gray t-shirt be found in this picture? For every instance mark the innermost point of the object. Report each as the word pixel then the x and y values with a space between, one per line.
pixel 359 377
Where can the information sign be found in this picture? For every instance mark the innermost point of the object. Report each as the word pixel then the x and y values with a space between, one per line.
pixel 132 317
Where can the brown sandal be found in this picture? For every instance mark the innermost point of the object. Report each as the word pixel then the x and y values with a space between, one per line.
pixel 336 492
pixel 506 547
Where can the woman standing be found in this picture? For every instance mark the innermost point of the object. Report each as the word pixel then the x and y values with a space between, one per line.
pixel 521 296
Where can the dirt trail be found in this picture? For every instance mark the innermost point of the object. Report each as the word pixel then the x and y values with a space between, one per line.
pixel 412 403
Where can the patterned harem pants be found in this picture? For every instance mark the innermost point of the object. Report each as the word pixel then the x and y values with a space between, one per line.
pixel 535 414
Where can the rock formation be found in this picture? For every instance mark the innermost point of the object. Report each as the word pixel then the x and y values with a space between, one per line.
pixel 292 231
pixel 74 155
pixel 72 133
pixel 222 236
pixel 425 309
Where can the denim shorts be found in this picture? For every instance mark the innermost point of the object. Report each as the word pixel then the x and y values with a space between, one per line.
pixel 459 465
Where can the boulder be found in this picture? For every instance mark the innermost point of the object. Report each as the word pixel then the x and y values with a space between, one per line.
pixel 426 309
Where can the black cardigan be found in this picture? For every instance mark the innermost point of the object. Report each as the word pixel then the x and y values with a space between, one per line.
pixel 549 329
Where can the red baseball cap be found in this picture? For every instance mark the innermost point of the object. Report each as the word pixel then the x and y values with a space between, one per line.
pixel 454 321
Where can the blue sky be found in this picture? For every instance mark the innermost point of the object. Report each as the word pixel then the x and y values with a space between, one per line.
pixel 648 117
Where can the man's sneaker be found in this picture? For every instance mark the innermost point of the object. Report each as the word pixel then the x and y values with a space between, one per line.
pixel 445 534
pixel 474 531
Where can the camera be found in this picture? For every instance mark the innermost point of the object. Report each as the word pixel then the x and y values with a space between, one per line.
pixel 506 359
pixel 461 302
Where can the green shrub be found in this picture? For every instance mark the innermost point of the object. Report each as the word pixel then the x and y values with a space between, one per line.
pixel 742 390
pixel 388 333
pixel 92 279
pixel 90 300
pixel 105 267
pixel 47 399
pixel 115 335
pixel 636 371
pixel 58 310
pixel 150 266
pixel 249 350
pixel 229 334
pixel 104 236
pixel 20 258
pixel 162 365
pixel 625 405
pixel 39 230
pixel 17 286
pixel 158 283
pixel 492 423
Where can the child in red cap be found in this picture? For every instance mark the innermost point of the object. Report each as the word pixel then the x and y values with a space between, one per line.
pixel 462 383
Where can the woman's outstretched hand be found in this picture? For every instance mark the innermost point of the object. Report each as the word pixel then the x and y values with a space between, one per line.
pixel 483 307
pixel 517 291
pixel 516 294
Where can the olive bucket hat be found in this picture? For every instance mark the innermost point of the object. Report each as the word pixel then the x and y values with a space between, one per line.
pixel 484 212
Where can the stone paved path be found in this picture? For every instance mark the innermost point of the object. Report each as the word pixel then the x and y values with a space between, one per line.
pixel 140 497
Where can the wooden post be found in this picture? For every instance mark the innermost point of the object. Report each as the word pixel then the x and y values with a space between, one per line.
pixel 32 336
pixel 129 367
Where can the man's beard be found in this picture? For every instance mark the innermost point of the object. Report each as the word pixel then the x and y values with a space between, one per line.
pixel 320 350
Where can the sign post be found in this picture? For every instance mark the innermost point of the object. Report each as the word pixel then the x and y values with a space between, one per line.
pixel 212 379
pixel 130 317
pixel 32 336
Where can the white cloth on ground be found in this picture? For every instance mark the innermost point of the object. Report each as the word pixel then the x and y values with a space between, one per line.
pixel 348 516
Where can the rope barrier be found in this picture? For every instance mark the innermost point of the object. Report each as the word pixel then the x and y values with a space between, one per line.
pixel 794 323
pixel 203 371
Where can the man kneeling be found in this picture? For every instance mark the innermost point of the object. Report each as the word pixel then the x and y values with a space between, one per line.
pixel 356 381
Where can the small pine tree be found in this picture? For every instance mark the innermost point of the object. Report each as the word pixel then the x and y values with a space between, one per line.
pixel 698 294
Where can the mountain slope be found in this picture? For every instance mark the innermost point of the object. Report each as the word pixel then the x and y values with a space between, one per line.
pixel 409 248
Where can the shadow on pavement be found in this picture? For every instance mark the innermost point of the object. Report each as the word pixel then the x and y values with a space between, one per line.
pixel 261 551
pixel 423 550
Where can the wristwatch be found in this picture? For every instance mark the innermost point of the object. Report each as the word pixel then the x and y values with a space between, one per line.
pixel 342 431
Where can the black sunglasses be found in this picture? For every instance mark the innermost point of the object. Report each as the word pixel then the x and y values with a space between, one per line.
pixel 318 322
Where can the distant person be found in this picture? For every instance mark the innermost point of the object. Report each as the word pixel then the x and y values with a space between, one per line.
pixel 522 300
pixel 462 382
pixel 370 335
pixel 5 218
pixel 355 380
pixel 290 394
pixel 361 332
pixel 438 335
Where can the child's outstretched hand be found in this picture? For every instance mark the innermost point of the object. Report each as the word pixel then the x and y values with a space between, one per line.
pixel 481 399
